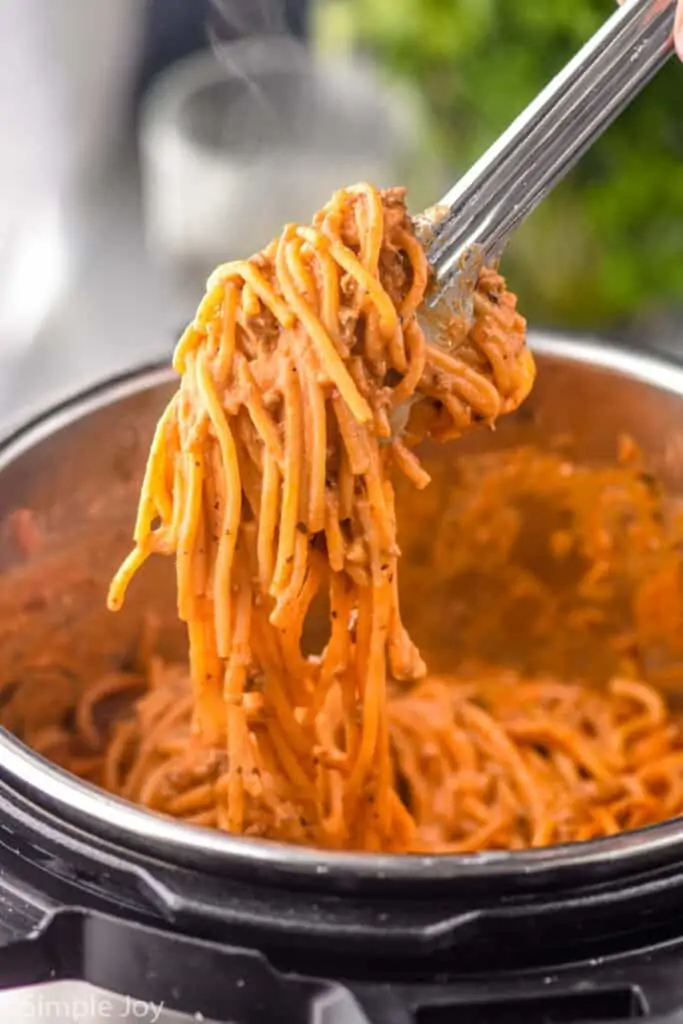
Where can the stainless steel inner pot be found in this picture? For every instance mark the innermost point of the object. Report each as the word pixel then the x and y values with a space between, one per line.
pixel 78 468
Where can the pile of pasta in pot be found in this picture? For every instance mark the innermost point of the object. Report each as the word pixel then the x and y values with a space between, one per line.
pixel 306 383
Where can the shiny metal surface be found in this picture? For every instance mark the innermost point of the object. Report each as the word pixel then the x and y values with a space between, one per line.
pixel 549 137
pixel 79 468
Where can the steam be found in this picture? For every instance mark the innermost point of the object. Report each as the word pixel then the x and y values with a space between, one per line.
pixel 262 134
pixel 243 19
pixel 254 42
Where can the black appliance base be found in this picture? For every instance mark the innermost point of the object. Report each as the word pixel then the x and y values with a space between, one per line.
pixel 75 906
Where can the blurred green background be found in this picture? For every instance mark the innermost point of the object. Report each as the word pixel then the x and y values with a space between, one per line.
pixel 605 251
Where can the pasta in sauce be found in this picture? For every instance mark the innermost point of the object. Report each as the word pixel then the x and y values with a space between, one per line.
pixel 274 478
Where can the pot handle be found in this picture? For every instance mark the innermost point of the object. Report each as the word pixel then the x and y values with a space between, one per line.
pixel 507 999
pixel 591 992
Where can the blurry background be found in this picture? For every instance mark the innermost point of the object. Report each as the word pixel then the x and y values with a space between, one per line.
pixel 146 140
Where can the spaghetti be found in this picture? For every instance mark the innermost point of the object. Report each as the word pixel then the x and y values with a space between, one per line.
pixel 270 480
pixel 535 560
pixel 275 477
pixel 498 763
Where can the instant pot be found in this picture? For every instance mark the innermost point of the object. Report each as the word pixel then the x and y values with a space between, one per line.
pixel 234 929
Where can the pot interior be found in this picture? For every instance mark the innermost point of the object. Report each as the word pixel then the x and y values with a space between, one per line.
pixel 68 492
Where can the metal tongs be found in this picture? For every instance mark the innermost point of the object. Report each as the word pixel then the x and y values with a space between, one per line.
pixel 473 223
